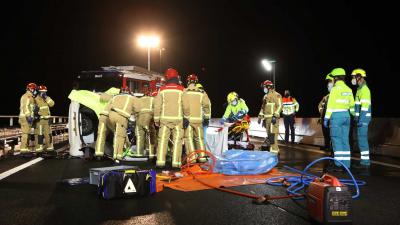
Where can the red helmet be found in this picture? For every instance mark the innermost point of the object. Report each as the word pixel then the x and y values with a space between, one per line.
pixel 125 90
pixel 171 73
pixel 267 83
pixel 192 78
pixel 31 87
pixel 42 88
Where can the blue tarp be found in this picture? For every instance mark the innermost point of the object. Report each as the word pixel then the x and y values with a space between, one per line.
pixel 242 162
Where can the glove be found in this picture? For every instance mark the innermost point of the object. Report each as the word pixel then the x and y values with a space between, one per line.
pixel 259 120
pixel 156 124
pixel 43 95
pixel 326 122
pixel 29 119
pixel 222 121
pixel 240 114
pixel 185 123
pixel 273 120
pixel 206 122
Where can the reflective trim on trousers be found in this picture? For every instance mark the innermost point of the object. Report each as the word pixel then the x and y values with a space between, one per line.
pixel 342 152
pixel 343 158
pixel 161 151
pixel 175 159
pixel 99 147
pixel 364 152
pixel 365 157
pixel 138 141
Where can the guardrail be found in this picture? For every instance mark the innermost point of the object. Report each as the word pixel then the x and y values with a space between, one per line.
pixel 10 133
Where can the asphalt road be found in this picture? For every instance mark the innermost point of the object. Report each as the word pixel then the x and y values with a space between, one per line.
pixel 36 195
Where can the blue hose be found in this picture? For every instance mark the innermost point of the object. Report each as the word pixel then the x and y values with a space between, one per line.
pixel 298 183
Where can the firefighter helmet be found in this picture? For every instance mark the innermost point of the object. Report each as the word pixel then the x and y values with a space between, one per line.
pixel 329 77
pixel 232 96
pixel 31 87
pixel 192 78
pixel 171 73
pixel 42 88
pixel 267 83
pixel 360 72
pixel 338 72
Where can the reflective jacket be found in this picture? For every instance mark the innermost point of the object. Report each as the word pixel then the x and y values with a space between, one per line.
pixel 271 105
pixel 232 110
pixel 146 105
pixel 341 99
pixel 27 105
pixel 289 106
pixel 168 104
pixel 124 104
pixel 363 102
pixel 198 103
pixel 44 106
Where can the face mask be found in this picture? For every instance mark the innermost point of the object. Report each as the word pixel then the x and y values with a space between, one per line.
pixel 266 90
pixel 234 102
pixel 287 95
pixel 354 81
pixel 330 86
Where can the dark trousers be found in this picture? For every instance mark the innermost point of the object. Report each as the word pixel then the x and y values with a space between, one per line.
pixel 289 123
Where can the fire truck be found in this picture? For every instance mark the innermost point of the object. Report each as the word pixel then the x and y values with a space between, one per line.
pixel 83 118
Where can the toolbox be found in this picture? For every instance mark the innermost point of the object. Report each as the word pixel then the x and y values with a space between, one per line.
pixel 95 173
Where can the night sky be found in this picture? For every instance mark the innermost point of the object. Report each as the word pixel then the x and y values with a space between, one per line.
pixel 48 42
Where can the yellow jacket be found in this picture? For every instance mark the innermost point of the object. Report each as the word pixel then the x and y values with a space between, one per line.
pixel 123 104
pixel 198 103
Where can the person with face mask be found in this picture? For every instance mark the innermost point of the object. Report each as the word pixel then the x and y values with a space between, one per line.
pixel 235 110
pixel 26 116
pixel 290 107
pixel 338 110
pixel 362 116
pixel 269 115
pixel 43 133
pixel 322 111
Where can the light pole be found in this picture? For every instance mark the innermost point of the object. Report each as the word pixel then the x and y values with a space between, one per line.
pixel 161 50
pixel 148 42
pixel 268 66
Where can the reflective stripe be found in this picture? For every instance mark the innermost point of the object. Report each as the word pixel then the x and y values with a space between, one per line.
pixel 201 138
pixel 138 141
pixel 280 106
pixel 364 152
pixel 365 101
pixel 122 112
pixel 364 109
pixel 191 138
pixel 336 110
pixel 342 101
pixel 342 152
pixel 44 107
pixel 343 158
pixel 99 138
pixel 161 147
pixel 365 157
pixel 175 146
pixel 368 114
pixel 357 103
pixel 357 114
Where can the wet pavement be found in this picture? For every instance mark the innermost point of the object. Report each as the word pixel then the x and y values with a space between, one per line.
pixel 36 196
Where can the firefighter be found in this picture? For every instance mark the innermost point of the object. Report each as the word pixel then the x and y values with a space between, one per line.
pixel 269 115
pixel 362 116
pixel 322 110
pixel 290 107
pixel 200 112
pixel 168 116
pixel 339 108
pixel 235 110
pixel 43 134
pixel 26 116
pixel 115 117
pixel 144 130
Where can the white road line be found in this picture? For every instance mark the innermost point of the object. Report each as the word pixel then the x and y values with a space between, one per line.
pixel 20 167
pixel 354 158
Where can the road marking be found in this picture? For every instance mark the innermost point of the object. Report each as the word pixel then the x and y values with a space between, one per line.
pixel 20 167
pixel 328 154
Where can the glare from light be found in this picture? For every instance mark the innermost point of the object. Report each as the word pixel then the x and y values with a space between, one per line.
pixel 148 41
pixel 267 64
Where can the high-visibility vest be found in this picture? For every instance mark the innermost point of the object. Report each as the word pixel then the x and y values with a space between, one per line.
pixel 340 99
pixel 289 106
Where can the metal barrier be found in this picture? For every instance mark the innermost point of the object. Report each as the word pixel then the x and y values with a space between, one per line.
pixel 10 133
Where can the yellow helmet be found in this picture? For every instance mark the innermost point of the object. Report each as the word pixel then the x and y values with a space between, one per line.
pixel 199 86
pixel 338 72
pixel 360 72
pixel 232 96
pixel 329 77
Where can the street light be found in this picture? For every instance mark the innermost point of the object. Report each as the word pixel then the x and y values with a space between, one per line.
pixel 148 42
pixel 161 50
pixel 268 66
